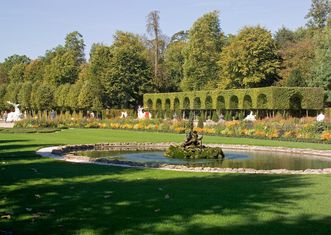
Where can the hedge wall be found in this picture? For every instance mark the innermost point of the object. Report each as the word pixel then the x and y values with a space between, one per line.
pixel 270 98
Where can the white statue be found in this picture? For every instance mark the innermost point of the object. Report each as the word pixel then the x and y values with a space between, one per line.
pixel 14 116
pixel 250 117
pixel 142 114
pixel 124 115
pixel 320 117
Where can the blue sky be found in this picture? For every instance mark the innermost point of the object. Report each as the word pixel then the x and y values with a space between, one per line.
pixel 34 26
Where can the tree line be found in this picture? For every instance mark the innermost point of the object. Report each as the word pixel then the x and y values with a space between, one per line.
pixel 201 58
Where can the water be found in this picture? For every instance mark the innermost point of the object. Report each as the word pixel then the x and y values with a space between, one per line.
pixel 240 159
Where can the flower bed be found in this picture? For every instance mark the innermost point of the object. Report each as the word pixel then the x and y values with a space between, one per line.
pixel 294 129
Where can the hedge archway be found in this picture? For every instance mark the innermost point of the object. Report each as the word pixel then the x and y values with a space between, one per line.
pixel 176 104
pixel 209 102
pixel 158 104
pixel 149 104
pixel 186 103
pixel 220 104
pixel 167 104
pixel 295 102
pixel 197 103
pixel 248 104
pixel 234 102
pixel 262 101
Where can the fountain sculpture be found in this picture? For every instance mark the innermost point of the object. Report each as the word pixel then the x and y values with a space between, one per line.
pixel 193 148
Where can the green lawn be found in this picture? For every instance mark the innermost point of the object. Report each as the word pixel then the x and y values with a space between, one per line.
pixel 45 196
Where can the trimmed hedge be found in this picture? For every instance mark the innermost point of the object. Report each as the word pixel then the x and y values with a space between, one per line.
pixel 270 98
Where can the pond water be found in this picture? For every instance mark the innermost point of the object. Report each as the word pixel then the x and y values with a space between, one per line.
pixel 240 159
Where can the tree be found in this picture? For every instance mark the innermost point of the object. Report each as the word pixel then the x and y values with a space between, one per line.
pixel 62 69
pixel 90 96
pixel 297 60
pixel 322 62
pixel 16 74
pixel 283 36
pixel 129 77
pixel 153 28
pixel 202 53
pixel 173 62
pixel 3 75
pixel 34 70
pixel 250 60
pixel 24 95
pixel 12 91
pixel 44 96
pixel 318 13
pixel 13 60
pixel 74 42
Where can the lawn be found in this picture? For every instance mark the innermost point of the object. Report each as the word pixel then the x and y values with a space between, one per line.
pixel 45 196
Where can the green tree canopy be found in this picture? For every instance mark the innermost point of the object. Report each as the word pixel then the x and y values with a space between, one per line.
pixel 74 43
pixel 130 75
pixel 174 61
pixel 13 60
pixel 250 60
pixel 202 53
pixel 322 62
pixel 318 13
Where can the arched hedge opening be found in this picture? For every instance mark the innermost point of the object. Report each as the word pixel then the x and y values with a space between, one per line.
pixel 248 103
pixel 220 104
pixel 176 104
pixel 197 103
pixel 167 105
pixel 158 104
pixel 262 101
pixel 209 103
pixel 186 103
pixel 234 102
pixel 149 104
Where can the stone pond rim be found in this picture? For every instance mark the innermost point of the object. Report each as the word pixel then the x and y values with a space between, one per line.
pixel 63 153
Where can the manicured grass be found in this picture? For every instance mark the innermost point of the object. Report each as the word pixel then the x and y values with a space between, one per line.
pixel 45 196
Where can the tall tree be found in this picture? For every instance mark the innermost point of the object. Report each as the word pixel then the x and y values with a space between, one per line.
pixel 34 70
pixel 297 60
pixel 322 62
pixel 173 62
pixel 153 28
pixel 250 60
pixel 13 60
pixel 283 36
pixel 16 74
pixel 318 13
pixel 24 95
pixel 202 53
pixel 129 77
pixel 62 68
pixel 74 42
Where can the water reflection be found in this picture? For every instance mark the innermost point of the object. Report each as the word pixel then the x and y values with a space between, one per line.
pixel 255 160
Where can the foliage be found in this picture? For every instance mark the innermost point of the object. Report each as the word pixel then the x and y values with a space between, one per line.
pixel 297 62
pixel 272 98
pixel 13 60
pixel 202 52
pixel 173 62
pixel 318 13
pixel 250 60
pixel 322 62
pixel 129 76
pixel 194 153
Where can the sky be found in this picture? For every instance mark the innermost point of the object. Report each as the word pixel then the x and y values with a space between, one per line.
pixel 32 27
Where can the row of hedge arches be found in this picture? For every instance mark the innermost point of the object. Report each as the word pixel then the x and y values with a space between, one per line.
pixel 269 98
pixel 234 101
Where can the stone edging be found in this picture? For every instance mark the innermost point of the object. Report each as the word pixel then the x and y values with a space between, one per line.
pixel 64 153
